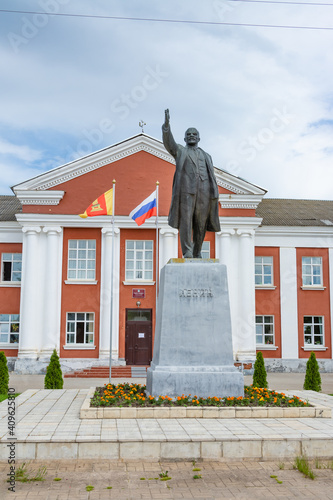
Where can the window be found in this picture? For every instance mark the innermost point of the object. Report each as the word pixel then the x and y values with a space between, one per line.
pixel 81 259
pixel 205 250
pixel 312 271
pixel 313 330
pixel 11 266
pixel 139 260
pixel 80 328
pixel 264 271
pixel 265 330
pixel 9 328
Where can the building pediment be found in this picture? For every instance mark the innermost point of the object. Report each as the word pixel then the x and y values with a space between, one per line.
pixel 235 192
pixel 94 161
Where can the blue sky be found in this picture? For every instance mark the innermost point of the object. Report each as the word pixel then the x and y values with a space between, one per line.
pixel 260 97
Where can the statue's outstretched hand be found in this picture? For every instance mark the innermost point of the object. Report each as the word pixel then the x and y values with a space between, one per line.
pixel 167 118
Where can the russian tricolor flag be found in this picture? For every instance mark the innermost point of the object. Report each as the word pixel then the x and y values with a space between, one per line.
pixel 145 210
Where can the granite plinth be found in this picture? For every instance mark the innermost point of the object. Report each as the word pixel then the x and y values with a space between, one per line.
pixel 193 342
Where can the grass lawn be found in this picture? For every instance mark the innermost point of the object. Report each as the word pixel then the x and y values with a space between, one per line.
pixel 122 395
pixel 5 396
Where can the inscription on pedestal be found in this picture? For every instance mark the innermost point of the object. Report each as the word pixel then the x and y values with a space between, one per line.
pixel 195 292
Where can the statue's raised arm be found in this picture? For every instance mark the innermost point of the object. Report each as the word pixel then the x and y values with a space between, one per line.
pixel 168 140
pixel 167 118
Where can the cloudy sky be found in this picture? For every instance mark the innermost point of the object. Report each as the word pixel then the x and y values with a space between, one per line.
pixel 261 97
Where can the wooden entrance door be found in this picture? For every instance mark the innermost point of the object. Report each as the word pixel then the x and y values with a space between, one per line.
pixel 138 337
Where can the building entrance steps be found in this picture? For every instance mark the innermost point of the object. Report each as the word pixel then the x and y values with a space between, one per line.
pixel 103 372
pixel 48 426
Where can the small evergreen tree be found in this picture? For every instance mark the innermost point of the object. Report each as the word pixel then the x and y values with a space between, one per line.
pixel 312 380
pixel 259 374
pixel 53 378
pixel 4 375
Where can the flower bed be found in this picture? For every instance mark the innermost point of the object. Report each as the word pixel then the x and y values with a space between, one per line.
pixel 133 395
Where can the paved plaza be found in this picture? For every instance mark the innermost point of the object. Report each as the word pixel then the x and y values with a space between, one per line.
pixel 48 426
pixel 121 458
pixel 137 480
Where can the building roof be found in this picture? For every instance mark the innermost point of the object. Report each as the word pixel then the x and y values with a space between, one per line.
pixel 9 206
pixel 280 212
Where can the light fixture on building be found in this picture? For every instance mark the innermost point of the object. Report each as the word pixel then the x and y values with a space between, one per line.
pixel 138 303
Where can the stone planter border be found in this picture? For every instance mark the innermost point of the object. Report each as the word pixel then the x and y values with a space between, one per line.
pixel 314 411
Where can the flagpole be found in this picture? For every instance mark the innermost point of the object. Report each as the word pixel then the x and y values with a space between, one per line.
pixel 112 265
pixel 157 249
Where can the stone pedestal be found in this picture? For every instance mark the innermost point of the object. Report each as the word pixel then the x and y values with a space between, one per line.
pixel 193 344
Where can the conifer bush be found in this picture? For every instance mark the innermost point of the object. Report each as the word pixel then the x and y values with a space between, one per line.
pixel 312 380
pixel 53 378
pixel 4 375
pixel 259 374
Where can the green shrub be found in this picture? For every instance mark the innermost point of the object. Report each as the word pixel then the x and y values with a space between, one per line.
pixel 4 375
pixel 53 378
pixel 259 374
pixel 312 380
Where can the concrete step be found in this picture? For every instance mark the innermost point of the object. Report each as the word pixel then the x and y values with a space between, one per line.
pixel 103 372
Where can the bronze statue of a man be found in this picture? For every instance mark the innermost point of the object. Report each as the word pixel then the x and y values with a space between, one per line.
pixel 194 203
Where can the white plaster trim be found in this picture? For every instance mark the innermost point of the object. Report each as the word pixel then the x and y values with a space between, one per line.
pixel 29 197
pixel 121 221
pixel 138 283
pixel 236 184
pixel 265 287
pixel 296 231
pixel 311 287
pixel 228 186
pixel 79 347
pixel 103 222
pixel 239 223
pixel 288 303
pixel 266 347
pixel 10 226
pixel 7 345
pixel 308 347
pixel 10 284
pixel 330 267
pixel 80 282
pixel 239 201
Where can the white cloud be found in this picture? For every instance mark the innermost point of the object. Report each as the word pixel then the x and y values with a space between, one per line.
pixel 25 153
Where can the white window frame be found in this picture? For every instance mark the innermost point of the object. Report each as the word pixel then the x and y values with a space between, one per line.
pixel 263 262
pixel 205 250
pixel 134 266
pixel 81 265
pixel 267 319
pixel 73 331
pixel 13 271
pixel 312 333
pixel 308 271
pixel 13 319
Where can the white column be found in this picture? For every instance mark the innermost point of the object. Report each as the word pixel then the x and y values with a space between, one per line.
pixel 52 288
pixel 29 309
pixel 105 300
pixel 244 337
pixel 330 266
pixel 224 250
pixel 168 245
pixel 289 321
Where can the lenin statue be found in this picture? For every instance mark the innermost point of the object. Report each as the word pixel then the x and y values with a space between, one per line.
pixel 194 203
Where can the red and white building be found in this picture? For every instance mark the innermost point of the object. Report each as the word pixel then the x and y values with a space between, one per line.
pixel 55 288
